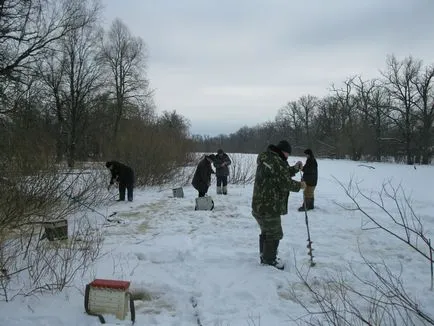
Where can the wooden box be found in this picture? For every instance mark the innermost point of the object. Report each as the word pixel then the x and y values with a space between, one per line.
pixel 56 229
pixel 178 192
pixel 109 297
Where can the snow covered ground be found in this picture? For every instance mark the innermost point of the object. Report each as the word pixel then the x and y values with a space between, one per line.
pixel 172 254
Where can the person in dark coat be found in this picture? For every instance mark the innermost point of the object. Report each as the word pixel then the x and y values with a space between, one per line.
pixel 310 177
pixel 124 176
pixel 202 176
pixel 221 164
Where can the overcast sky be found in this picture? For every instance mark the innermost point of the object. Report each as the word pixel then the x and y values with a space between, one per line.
pixel 229 63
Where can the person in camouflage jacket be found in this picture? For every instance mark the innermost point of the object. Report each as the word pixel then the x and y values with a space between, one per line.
pixel 273 182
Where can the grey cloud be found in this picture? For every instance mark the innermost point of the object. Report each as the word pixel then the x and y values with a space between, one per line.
pixel 397 22
pixel 242 60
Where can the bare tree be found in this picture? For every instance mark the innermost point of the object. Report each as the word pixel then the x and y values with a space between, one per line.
pixel 52 72
pixel 374 105
pixel 28 28
pixel 350 122
pixel 425 112
pixel 328 125
pixel 308 104
pixel 73 78
pixel 83 74
pixel 125 57
pixel 175 122
pixel 400 78
pixel 410 227
pixel 292 114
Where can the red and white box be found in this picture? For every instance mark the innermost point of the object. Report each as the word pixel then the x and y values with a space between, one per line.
pixel 109 297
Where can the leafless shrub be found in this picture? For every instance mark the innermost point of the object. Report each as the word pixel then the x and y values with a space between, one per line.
pixel 409 229
pixel 184 176
pixel 254 320
pixel 242 169
pixel 47 195
pixel 350 299
pixel 27 200
pixel 36 265
pixel 378 295
pixel 155 154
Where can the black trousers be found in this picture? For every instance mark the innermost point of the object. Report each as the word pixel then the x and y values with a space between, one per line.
pixel 129 188
pixel 202 192
pixel 222 180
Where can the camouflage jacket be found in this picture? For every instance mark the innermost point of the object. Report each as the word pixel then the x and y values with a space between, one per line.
pixel 273 182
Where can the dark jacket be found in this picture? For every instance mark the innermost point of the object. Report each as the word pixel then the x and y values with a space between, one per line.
pixel 221 163
pixel 202 176
pixel 121 173
pixel 273 182
pixel 310 171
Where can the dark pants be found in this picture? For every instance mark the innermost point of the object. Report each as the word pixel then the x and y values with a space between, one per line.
pixel 129 187
pixel 222 180
pixel 202 193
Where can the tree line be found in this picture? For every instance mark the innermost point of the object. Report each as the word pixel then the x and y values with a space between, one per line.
pixel 73 91
pixel 373 119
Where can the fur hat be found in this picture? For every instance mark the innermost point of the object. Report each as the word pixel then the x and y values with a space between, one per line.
pixel 284 146
pixel 308 152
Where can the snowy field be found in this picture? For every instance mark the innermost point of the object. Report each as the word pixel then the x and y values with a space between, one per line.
pixel 172 254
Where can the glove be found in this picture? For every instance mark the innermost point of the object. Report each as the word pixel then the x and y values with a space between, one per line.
pixel 302 185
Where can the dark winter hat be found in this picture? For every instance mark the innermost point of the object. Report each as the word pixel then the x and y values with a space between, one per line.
pixel 211 157
pixel 219 151
pixel 284 146
pixel 308 152
pixel 108 164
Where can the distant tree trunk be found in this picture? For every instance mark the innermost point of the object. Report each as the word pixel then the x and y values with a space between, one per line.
pixel 425 106
pixel 400 79
pixel 308 106
pixel 348 104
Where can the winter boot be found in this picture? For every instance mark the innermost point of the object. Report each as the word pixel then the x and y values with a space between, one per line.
pixel 310 203
pixel 302 208
pixel 225 190
pixel 219 190
pixel 269 254
pixel 261 246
